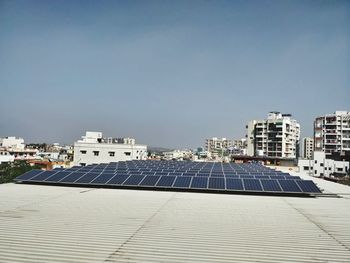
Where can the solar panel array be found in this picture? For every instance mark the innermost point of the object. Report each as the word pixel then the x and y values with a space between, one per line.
pixel 174 175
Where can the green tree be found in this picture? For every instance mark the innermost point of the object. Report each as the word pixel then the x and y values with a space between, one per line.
pixel 9 171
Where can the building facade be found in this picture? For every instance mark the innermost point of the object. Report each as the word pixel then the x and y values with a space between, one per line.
pixel 13 148
pixel 93 148
pixel 332 133
pixel 307 148
pixel 320 166
pixel 216 145
pixel 277 136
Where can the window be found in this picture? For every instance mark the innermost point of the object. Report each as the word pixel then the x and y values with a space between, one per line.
pixel 127 153
pixel 83 164
pixel 83 152
pixel 306 168
pixel 321 174
pixel 96 153
pixel 339 169
pixel 321 164
pixel 315 161
pixel 111 154
pixel 315 171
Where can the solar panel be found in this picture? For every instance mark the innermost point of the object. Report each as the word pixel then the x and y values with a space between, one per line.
pixel 234 184
pixel 252 185
pixel 87 178
pixel 166 181
pixel 289 186
pixel 216 183
pixel 182 181
pixel 28 175
pixel 150 180
pixel 218 177
pixel 271 185
pixel 118 179
pixel 134 180
pixel 199 182
pixel 103 178
pixel 71 177
pixel 308 186
pixel 57 177
pixel 43 176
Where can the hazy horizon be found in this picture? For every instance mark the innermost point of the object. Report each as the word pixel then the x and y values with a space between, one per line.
pixel 168 73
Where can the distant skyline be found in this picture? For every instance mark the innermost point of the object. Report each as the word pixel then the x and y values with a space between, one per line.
pixel 168 73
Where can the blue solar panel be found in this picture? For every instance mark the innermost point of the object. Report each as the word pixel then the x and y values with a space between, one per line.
pixel 199 182
pixel 180 175
pixel 234 184
pixel 182 181
pixel 308 186
pixel 150 180
pixel 118 179
pixel 134 180
pixel 28 175
pixel 103 178
pixel 71 177
pixel 252 185
pixel 166 181
pixel 271 185
pixel 57 177
pixel 289 186
pixel 87 178
pixel 216 183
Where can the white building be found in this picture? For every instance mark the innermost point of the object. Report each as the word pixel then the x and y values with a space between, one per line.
pixel 12 143
pixel 177 155
pixel 13 148
pixel 215 145
pixel 94 149
pixel 320 166
pixel 6 157
pixel 332 133
pixel 307 148
pixel 277 136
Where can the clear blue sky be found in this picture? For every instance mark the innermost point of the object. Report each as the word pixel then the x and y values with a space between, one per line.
pixel 169 73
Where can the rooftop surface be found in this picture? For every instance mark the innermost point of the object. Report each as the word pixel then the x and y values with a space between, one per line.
pixel 41 223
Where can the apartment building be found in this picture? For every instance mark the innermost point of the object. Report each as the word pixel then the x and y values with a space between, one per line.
pixel 215 145
pixel 93 148
pixel 307 148
pixel 277 136
pixel 332 133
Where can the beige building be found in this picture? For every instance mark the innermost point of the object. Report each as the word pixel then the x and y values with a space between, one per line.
pixel 307 148
pixel 277 136
pixel 332 133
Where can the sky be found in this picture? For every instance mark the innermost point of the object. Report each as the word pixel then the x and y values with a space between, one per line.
pixel 168 73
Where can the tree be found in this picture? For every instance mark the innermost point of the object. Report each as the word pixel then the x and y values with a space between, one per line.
pixel 9 171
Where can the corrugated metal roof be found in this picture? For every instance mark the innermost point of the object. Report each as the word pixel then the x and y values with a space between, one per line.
pixel 65 224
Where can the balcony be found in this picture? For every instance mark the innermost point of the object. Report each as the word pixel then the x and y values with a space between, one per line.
pixel 331 131
pixel 331 143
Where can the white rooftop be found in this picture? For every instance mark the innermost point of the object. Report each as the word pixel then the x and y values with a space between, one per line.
pixel 68 224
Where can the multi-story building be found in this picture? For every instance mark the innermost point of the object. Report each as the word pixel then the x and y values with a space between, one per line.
pixel 216 145
pixel 277 136
pixel 307 148
pixel 332 133
pixel 13 148
pixel 95 149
